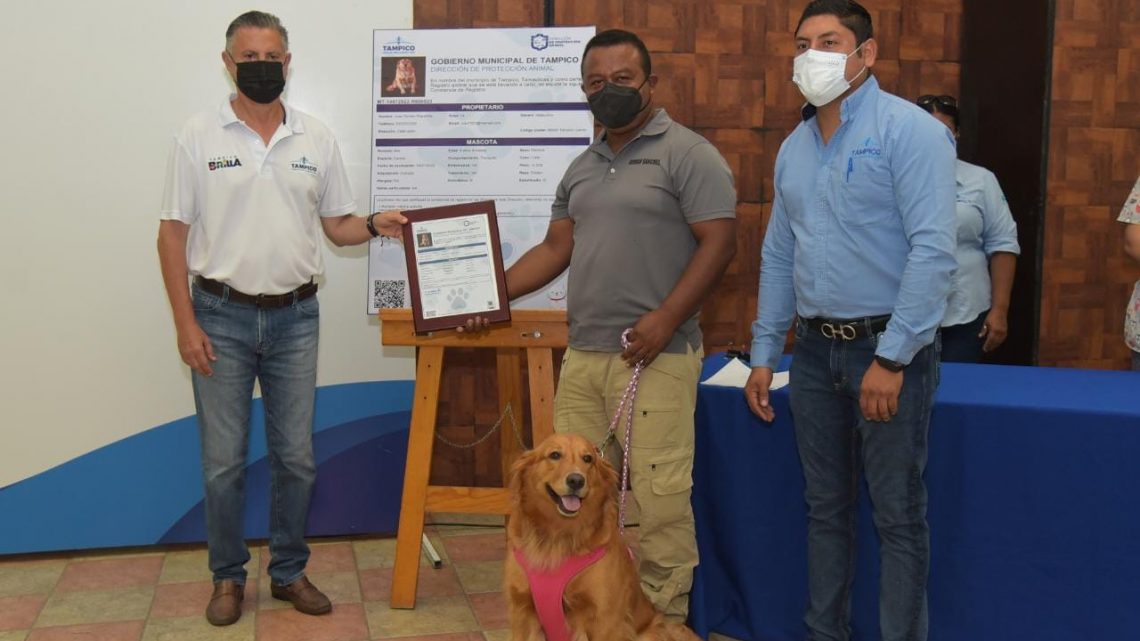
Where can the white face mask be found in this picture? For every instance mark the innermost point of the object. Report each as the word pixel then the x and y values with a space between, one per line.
pixel 821 75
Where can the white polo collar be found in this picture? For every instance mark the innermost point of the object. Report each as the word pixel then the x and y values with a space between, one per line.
pixel 227 116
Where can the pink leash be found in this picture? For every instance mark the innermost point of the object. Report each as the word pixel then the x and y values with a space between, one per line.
pixel 626 404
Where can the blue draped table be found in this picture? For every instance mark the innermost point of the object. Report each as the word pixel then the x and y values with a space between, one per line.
pixel 1034 480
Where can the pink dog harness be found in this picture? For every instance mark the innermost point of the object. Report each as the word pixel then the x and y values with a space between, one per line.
pixel 548 586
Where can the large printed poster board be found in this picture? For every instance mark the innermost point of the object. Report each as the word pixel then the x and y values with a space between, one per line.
pixel 464 115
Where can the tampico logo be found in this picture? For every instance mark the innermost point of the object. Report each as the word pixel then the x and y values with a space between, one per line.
pixel 539 41
pixel 399 45
pixel 305 165
pixel 223 162
pixel 869 148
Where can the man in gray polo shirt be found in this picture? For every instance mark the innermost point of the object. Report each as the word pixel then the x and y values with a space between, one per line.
pixel 645 220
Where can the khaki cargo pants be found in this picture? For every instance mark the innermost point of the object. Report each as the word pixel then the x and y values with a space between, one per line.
pixel 661 456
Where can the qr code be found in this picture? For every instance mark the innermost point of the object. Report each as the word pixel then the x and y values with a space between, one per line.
pixel 387 294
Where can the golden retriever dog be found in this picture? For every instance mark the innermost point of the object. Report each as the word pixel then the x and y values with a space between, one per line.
pixel 564 510
pixel 405 79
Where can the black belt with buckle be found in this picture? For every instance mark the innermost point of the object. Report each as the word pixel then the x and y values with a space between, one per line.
pixel 261 301
pixel 848 330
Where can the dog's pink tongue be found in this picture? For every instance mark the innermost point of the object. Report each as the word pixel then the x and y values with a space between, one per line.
pixel 571 503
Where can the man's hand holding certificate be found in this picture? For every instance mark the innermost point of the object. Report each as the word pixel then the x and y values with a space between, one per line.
pixel 455 266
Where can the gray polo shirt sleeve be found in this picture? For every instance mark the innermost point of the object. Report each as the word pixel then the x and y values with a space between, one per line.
pixel 704 184
pixel 561 207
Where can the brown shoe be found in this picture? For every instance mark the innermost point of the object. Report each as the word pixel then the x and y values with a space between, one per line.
pixel 225 605
pixel 304 596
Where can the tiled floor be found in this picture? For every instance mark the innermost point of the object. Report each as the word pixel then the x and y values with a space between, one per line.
pixel 161 594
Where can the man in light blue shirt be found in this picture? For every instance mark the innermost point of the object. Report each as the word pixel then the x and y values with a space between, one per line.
pixel 860 246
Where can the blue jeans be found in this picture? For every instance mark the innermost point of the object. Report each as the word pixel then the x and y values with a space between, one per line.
pixel 835 443
pixel 278 347
pixel 960 343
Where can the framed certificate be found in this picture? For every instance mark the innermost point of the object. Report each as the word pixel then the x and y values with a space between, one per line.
pixel 455 265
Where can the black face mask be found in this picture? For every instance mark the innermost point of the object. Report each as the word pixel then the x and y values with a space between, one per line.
pixel 616 106
pixel 261 80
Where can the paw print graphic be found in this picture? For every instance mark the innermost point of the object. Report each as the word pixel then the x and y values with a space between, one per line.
pixel 458 299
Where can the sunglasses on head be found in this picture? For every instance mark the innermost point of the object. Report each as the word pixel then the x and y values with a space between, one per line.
pixel 943 101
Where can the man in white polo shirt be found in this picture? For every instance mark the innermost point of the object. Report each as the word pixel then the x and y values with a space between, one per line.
pixel 250 186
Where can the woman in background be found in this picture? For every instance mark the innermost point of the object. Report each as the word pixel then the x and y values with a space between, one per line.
pixel 978 305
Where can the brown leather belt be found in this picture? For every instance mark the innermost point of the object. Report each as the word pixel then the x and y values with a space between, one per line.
pixel 261 301
pixel 848 330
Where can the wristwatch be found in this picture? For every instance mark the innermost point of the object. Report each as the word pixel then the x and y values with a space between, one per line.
pixel 889 365
pixel 370 226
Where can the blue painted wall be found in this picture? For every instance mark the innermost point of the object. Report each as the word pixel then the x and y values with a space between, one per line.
pixel 147 488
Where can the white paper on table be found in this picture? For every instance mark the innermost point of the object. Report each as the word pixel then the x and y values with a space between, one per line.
pixel 735 374
pixel 779 379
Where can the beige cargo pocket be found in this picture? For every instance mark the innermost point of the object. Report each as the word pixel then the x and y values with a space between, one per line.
pixel 671 474
pixel 668 540
pixel 655 426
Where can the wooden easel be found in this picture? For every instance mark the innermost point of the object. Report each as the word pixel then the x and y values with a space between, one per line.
pixel 539 332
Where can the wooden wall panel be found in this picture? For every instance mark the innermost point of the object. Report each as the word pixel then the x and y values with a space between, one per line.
pixel 1094 158
pixel 449 14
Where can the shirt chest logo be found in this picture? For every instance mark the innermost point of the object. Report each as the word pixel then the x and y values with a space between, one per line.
pixel 223 162
pixel 645 161
pixel 305 165
pixel 868 149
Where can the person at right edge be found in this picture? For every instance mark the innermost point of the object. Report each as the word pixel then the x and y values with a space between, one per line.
pixel 860 247
pixel 1130 216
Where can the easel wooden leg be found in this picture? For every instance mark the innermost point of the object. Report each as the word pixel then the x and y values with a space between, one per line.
pixel 537 331
pixel 540 374
pixel 416 474
pixel 508 362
